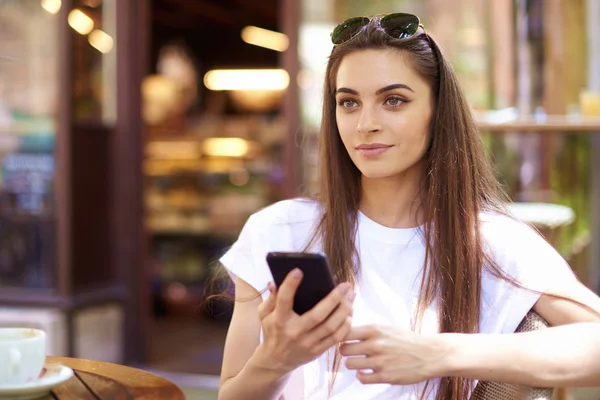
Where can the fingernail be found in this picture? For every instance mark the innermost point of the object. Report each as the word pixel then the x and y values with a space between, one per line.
pixel 296 274
pixel 271 287
pixel 344 287
pixel 352 296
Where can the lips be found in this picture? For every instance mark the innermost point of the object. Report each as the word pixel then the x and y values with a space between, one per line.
pixel 371 150
pixel 372 146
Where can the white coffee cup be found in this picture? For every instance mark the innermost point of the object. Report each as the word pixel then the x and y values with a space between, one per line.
pixel 22 355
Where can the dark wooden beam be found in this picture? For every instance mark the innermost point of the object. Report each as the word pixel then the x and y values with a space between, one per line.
pixel 290 25
pixel 129 241
pixel 207 10
pixel 266 13
pixel 180 20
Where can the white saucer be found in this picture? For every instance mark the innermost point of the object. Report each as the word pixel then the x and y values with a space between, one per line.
pixel 55 375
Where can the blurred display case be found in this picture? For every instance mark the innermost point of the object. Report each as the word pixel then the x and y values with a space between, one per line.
pixel 213 156
pixel 201 187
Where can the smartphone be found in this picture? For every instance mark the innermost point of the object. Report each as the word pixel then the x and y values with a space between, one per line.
pixel 316 284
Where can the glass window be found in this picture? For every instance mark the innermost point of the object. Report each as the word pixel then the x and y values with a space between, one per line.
pixel 28 106
pixel 93 24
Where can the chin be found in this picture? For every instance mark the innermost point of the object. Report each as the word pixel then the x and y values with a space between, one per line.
pixel 372 173
pixel 382 170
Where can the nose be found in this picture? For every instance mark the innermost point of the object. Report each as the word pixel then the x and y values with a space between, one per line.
pixel 368 122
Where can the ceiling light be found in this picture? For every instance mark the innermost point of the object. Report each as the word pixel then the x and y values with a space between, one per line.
pixel 52 6
pixel 101 41
pixel 265 38
pixel 80 22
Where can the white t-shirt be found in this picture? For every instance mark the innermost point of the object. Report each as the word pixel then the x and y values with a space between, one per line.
pixel 388 289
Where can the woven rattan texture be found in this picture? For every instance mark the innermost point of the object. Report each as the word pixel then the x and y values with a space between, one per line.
pixel 505 391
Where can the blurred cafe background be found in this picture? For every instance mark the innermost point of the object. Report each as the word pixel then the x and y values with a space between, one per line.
pixel 137 136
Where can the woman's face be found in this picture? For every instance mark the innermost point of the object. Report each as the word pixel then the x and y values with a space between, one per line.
pixel 383 112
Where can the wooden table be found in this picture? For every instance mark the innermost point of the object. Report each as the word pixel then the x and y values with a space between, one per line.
pixel 94 380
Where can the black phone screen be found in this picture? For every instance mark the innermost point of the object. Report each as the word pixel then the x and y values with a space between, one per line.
pixel 316 284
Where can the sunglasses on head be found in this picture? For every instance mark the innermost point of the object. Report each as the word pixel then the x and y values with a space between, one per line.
pixel 396 25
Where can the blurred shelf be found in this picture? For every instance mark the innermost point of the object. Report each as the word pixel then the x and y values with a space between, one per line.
pixel 199 193
pixel 206 234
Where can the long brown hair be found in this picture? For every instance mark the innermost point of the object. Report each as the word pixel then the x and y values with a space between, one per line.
pixel 459 183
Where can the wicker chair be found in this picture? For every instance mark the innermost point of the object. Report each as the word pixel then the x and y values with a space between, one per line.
pixel 505 391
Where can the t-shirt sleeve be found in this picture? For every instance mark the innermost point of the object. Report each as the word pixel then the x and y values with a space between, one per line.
pixel 246 258
pixel 523 255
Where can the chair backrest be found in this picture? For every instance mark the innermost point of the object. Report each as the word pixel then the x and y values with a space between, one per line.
pixel 506 391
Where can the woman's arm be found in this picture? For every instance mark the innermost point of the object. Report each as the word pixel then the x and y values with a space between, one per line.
pixel 564 356
pixel 567 355
pixel 244 374
pixel 554 357
pixel 260 370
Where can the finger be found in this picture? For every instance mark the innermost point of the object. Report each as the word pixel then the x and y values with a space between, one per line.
pixel 334 322
pixel 272 288
pixel 360 363
pixel 325 307
pixel 336 337
pixel 351 298
pixel 286 292
pixel 361 333
pixel 371 378
pixel 355 349
pixel 266 307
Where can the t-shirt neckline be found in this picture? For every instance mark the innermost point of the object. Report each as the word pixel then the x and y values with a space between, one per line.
pixel 386 234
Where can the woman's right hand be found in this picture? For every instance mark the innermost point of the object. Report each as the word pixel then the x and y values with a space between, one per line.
pixel 291 340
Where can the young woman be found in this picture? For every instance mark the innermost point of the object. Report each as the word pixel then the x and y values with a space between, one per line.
pixel 431 268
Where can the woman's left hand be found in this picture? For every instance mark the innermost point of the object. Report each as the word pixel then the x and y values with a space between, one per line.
pixel 395 356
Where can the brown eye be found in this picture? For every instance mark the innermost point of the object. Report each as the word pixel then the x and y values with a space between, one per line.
pixel 394 101
pixel 347 103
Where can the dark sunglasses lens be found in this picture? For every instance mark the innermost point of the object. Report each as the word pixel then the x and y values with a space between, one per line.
pixel 348 29
pixel 400 25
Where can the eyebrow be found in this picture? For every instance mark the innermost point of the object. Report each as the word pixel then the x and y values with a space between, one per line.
pixel 378 92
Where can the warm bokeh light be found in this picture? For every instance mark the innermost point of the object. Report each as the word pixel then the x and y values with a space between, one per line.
pixel 590 103
pixel 101 41
pixel 265 38
pixel 52 6
pixel 176 150
pixel 247 79
pixel 225 147
pixel 239 176
pixel 80 22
